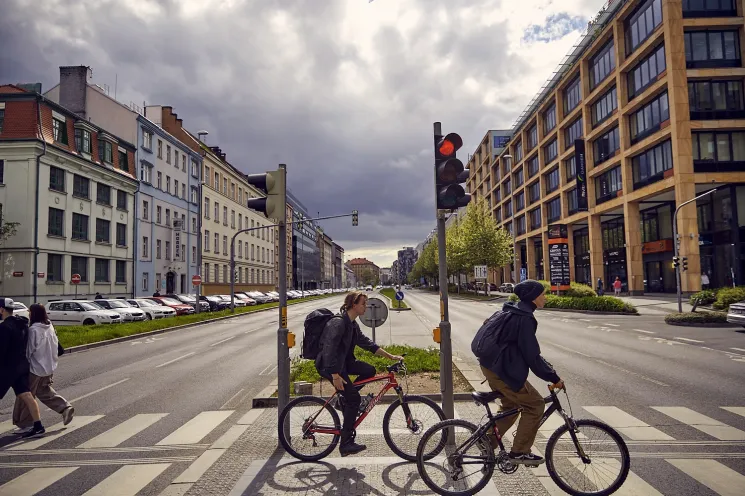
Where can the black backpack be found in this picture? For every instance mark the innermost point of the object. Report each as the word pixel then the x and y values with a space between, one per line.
pixel 315 323
pixel 486 344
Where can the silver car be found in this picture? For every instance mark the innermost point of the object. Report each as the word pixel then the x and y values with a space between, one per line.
pixel 736 314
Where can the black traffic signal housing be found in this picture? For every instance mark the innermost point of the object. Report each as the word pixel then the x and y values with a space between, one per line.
pixel 273 183
pixel 676 262
pixel 450 173
pixel 355 218
pixel 685 263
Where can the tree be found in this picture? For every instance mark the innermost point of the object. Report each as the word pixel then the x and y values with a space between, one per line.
pixel 455 251
pixel 426 265
pixel 483 242
pixel 7 229
pixel 367 277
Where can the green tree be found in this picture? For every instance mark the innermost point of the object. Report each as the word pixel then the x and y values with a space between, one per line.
pixel 483 242
pixel 455 251
pixel 367 277
pixel 7 229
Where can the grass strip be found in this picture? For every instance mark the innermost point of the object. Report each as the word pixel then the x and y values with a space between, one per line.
pixel 391 293
pixel 79 334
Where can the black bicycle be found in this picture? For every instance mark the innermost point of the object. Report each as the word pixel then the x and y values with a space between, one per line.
pixel 583 457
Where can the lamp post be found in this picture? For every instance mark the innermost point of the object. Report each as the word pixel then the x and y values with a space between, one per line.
pixel 199 241
pixel 508 157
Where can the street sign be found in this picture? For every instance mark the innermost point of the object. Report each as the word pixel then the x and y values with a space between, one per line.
pixel 523 274
pixel 196 280
pixel 480 271
pixel 399 295
pixel 75 279
pixel 375 315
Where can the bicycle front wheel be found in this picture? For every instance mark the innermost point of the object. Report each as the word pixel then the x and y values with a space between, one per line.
pixel 606 459
pixel 405 423
pixel 311 423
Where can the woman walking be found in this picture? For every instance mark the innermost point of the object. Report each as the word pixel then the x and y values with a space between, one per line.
pixel 42 353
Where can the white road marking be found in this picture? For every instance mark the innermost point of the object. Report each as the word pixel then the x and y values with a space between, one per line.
pixel 175 360
pixel 224 340
pixel 231 436
pixel 196 429
pixel 117 435
pixel 627 424
pixel 613 325
pixel 266 368
pixel 689 340
pixel 712 474
pixel 569 349
pixel 250 417
pixel 231 399
pixel 6 426
pixel 642 330
pixel 34 481
pixel 199 466
pixel 632 486
pixel 585 320
pixel 98 390
pixel 703 423
pixel 128 480
pixel 57 431
pixel 737 410
pixel 738 349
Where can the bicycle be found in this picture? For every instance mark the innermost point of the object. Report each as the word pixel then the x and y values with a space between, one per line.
pixel 312 429
pixel 466 435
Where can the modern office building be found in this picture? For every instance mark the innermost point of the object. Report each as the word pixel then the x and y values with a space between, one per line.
pixel 407 257
pixel 646 113
pixel 306 258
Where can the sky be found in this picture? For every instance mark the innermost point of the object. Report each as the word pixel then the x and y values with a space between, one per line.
pixel 342 91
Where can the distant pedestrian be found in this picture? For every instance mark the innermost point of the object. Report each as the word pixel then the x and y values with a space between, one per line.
pixel 617 286
pixel 600 290
pixel 14 366
pixel 704 280
pixel 98 296
pixel 42 353
pixel 157 293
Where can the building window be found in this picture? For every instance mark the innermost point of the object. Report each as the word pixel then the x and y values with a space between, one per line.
pixel 145 281
pixel 168 217
pixel 168 184
pixel 709 8
pixel 168 154
pixel 534 192
pixel 121 271
pixel 56 179
pixel 2 171
pixel 217 243
pixel 145 247
pixel 572 201
pixel 175 158
pixel 225 245
pixel 2 119
pixel 552 180
pixel 206 242
pixel 83 141
pixel 160 181
pixel 716 100
pixel 650 166
pixel 550 152
pixel 553 209
pixel 217 212
pixel 79 227
pixel 519 201
pixel 549 119
pixel 647 71
pixel 56 222
pixel 121 199
pixel 604 107
pixel 613 235
pixel 59 129
pixel 519 177
pixel 103 231
pixel 217 182
pixel 147 139
pixel 648 119
pixel 225 216
pixel 104 151
pixel 80 187
pixel 123 161
pixel 570 166
pixel 145 210
pixel 722 146
pixel 158 246
pixel 608 185
pixel 709 49
pixel 606 146
pixel 533 166
pixel 206 207
pixel 642 24
pixel 535 220
pixel 232 219
pixel 160 149
pixel 573 132
pixel 194 195
pixel 508 209
pixel 79 266
pixel 102 270
pixel 602 64
pixel 121 234
pixel 193 254
pixel 572 95
pixel 518 152
pixel 175 188
pixel 532 137
pixel 168 250
pixel 507 187
pixel 54 267
pixel 225 186
pixel 183 191
pixel 103 194
pixel 146 172
pixel 194 169
pixel 158 214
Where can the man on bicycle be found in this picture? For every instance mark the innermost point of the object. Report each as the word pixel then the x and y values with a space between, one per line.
pixel 507 349
pixel 336 362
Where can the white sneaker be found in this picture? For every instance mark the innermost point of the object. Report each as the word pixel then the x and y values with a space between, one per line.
pixel 23 430
pixel 67 415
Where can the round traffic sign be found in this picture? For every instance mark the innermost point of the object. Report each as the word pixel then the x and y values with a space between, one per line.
pixel 75 279
pixel 399 295
pixel 196 280
pixel 376 313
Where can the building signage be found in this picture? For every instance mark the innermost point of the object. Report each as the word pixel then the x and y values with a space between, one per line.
pixel 558 257
pixel 480 271
pixel 17 274
pixel 177 239
pixel 581 165
pixel 557 231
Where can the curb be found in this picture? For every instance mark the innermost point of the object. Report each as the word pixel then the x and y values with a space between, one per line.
pixel 588 312
pixel 271 402
pixel 390 304
pixel 713 325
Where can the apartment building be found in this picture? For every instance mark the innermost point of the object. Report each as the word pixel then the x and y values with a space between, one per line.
pixel 645 113
pixel 361 266
pixel 306 257
pixel 407 257
pixel 337 254
pixel 70 185
pixel 326 250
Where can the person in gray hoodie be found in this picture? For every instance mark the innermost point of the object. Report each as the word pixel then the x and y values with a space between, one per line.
pixel 42 351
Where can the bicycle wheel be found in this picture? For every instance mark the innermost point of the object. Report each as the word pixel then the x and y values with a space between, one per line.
pixel 303 441
pixel 447 475
pixel 407 430
pixel 605 450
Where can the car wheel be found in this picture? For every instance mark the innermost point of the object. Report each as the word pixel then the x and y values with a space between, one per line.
pixel 148 317
pixel 89 322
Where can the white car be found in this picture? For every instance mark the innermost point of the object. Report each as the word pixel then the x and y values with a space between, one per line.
pixel 152 310
pixel 72 312
pixel 20 309
pixel 123 308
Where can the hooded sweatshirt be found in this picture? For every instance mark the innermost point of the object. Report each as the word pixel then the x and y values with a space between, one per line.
pixel 13 339
pixel 42 349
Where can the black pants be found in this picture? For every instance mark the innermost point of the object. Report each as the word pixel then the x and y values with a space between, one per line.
pixel 351 394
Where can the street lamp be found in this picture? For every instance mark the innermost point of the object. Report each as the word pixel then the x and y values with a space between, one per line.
pixel 199 239
pixel 675 238
pixel 508 157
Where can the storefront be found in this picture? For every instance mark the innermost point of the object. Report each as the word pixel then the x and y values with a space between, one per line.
pixel 657 249
pixel 614 253
pixel 721 225
pixel 540 274
pixel 582 272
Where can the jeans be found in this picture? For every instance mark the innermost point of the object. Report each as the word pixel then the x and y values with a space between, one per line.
pixel 351 393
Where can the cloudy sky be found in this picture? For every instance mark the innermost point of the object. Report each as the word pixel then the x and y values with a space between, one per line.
pixel 343 91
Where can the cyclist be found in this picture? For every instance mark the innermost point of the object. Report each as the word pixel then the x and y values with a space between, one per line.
pixel 507 349
pixel 336 362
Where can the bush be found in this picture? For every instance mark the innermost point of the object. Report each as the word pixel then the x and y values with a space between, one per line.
pixel 704 297
pixel 590 303
pixel 693 318
pixel 546 286
pixel 727 296
pixel 580 291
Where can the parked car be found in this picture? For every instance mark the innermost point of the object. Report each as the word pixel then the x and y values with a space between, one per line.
pixel 152 310
pixel 259 297
pixel 20 309
pixel 215 302
pixel 246 299
pixel 507 287
pixel 736 313
pixel 191 301
pixel 127 311
pixel 181 308
pixel 75 312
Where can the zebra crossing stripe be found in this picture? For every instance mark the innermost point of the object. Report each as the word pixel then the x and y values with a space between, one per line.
pixel 117 435
pixel 57 431
pixel 632 486
pixel 718 477
pixel 737 410
pixel 703 423
pixel 627 424
pixel 197 428
pixel 128 480
pixel 34 481
pixel 6 426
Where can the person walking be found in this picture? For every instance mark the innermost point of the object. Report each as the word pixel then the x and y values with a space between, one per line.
pixel 42 353
pixel 98 296
pixel 617 284
pixel 14 366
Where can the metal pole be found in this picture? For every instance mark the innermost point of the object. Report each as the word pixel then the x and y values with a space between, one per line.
pixel 232 273
pixel 283 351
pixel 302 260
pixel 374 316
pixel 199 239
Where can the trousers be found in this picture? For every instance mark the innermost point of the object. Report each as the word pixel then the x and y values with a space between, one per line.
pixel 351 393
pixel 41 388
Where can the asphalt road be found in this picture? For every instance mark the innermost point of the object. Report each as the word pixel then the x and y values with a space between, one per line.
pixel 619 368
pixel 163 400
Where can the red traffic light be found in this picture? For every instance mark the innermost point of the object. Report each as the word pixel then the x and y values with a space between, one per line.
pixel 450 144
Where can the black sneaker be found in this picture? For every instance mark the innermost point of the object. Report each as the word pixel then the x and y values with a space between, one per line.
pixel 351 448
pixel 528 459
pixel 338 402
pixel 35 431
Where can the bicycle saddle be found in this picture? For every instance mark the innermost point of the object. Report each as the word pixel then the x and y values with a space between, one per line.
pixel 486 397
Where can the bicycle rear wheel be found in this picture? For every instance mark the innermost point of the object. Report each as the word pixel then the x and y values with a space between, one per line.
pixel 307 415
pixel 404 423
pixel 606 465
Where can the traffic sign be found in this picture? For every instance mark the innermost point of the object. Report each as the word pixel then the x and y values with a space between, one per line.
pixel 196 280
pixel 75 279
pixel 480 271
pixel 376 313
pixel 399 295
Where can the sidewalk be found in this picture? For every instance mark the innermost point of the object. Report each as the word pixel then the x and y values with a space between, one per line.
pixel 659 304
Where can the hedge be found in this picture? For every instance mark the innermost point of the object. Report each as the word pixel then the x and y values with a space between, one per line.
pixel 588 303
pixel 727 296
pixel 696 318
pixel 704 297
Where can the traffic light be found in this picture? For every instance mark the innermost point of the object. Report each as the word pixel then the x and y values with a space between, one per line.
pixel 449 173
pixel 355 218
pixel 676 262
pixel 273 184
pixel 685 263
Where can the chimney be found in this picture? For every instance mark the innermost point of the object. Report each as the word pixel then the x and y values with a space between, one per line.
pixel 73 81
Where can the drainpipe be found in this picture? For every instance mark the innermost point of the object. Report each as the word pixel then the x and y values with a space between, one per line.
pixel 134 235
pixel 36 209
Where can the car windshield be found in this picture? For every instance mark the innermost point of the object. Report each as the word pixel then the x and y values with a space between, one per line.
pixel 19 306
pixel 170 301
pixel 90 306
pixel 118 304
pixel 190 299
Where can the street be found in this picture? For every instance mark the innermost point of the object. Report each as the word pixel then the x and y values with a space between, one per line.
pixel 172 414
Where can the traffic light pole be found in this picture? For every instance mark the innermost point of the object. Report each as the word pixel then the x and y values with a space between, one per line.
pixel 283 350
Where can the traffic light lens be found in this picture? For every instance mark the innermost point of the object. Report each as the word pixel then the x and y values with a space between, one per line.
pixel 447 148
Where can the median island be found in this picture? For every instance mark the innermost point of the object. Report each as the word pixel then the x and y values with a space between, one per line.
pixel 391 294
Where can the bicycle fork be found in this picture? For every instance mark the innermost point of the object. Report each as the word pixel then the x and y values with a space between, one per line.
pixel 572 428
pixel 410 423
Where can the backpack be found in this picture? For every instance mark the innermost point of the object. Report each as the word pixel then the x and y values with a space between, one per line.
pixel 485 344
pixel 315 323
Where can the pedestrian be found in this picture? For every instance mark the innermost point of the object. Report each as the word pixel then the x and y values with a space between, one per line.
pixel 600 290
pixel 14 366
pixel 617 286
pixel 507 349
pixel 98 296
pixel 704 280
pixel 42 353
pixel 157 293
pixel 336 362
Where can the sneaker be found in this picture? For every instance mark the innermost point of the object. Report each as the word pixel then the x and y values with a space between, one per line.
pixel 338 402
pixel 364 402
pixel 23 430
pixel 351 448
pixel 67 415
pixel 34 432
pixel 528 459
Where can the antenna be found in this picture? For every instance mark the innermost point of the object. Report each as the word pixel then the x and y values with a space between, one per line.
pixel 202 133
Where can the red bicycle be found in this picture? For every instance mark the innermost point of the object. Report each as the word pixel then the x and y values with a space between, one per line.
pixel 314 428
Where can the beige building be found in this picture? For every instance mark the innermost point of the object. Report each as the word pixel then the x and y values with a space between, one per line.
pixel 326 249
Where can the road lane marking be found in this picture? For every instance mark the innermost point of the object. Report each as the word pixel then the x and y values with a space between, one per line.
pixel 224 340
pixel 128 480
pixel 737 410
pixel 585 320
pixel 57 431
pixel 176 359
pixel 74 400
pixel 199 466
pixel 689 340
pixel 266 368
pixel 197 428
pixel 250 417
pixel 632 486
pixel 231 436
pixel 718 477
pixel 6 426
pixel 705 424
pixel 34 481
pixel 117 435
pixel 568 349
pixel 627 424
pixel 738 349
pixel 642 330
pixel 231 399
pixel 612 325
